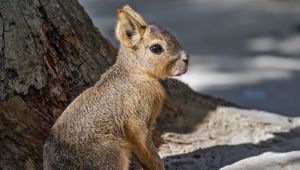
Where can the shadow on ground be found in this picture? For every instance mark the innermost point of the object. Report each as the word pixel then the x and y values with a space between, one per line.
pixel 184 109
pixel 216 157
pixel 267 95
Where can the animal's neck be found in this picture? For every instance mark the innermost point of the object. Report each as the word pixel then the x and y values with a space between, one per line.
pixel 128 59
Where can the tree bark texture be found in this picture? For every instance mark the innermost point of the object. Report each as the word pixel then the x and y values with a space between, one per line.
pixel 50 51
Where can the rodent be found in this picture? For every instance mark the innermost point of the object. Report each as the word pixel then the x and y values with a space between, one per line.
pixel 113 120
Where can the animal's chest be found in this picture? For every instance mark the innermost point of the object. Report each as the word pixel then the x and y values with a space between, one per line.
pixel 149 102
pixel 156 107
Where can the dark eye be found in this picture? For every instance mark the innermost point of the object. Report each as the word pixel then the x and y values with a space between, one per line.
pixel 156 49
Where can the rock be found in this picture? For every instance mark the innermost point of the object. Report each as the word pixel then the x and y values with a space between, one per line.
pixel 268 160
pixel 231 138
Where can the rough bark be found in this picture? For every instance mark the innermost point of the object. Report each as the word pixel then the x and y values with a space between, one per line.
pixel 50 52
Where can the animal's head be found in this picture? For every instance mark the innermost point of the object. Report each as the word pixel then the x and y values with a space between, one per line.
pixel 156 51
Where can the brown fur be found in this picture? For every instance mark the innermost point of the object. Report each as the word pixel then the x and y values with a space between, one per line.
pixel 114 119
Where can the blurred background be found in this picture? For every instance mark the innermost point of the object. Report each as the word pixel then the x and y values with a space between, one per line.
pixel 245 51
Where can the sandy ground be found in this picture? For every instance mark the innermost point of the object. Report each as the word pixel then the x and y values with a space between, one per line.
pixel 246 51
pixel 235 139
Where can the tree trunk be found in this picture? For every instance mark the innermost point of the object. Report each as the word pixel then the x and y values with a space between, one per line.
pixel 50 52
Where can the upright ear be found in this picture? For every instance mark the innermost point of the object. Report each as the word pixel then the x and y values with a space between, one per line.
pixel 130 26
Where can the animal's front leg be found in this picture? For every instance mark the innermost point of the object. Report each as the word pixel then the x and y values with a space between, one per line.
pixel 143 149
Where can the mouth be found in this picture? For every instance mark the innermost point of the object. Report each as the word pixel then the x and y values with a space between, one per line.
pixel 179 74
pixel 182 72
